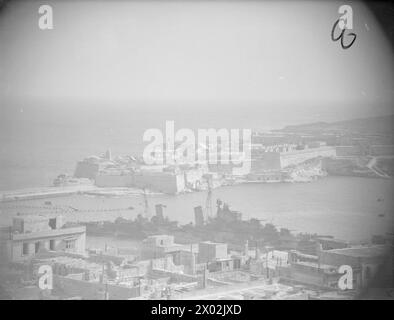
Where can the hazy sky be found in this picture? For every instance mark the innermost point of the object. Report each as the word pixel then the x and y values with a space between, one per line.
pixel 219 51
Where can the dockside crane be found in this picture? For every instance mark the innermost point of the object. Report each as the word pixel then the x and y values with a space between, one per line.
pixel 208 201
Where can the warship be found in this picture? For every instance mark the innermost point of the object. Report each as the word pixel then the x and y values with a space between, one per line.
pixel 225 225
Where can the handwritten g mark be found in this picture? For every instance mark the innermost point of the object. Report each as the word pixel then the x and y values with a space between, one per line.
pixel 344 22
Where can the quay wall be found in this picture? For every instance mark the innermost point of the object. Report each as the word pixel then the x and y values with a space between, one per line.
pixel 348 151
pixel 86 170
pixel 115 180
pixel 299 156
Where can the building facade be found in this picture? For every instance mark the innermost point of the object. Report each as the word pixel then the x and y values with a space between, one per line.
pixel 30 235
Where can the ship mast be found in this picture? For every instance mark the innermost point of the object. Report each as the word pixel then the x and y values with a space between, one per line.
pixel 208 202
pixel 146 205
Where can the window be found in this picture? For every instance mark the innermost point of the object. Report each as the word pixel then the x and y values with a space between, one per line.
pixel 52 245
pixel 368 273
pixel 37 247
pixel 70 244
pixel 25 249
pixel 52 223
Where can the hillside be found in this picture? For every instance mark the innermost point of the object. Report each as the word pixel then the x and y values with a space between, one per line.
pixel 376 125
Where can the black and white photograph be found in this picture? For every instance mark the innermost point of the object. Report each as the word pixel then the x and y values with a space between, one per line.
pixel 196 150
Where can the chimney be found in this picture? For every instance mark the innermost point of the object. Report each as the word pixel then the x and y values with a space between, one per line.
pixel 205 277
pixel 198 216
pixel 193 261
pixel 159 211
pixel 108 155
pixel 246 248
pixel 319 249
pixel 257 253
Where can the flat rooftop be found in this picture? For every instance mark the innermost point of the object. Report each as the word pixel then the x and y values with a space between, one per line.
pixel 316 265
pixel 34 217
pixel 73 262
pixel 332 239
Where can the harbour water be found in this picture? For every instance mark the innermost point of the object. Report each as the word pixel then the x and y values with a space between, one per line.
pixel 349 208
pixel 37 144
pixel 39 141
